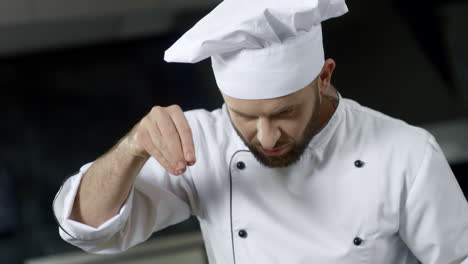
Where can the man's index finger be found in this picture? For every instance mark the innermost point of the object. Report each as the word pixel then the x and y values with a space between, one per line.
pixel 186 136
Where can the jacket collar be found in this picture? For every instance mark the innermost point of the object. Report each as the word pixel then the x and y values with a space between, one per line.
pixel 326 132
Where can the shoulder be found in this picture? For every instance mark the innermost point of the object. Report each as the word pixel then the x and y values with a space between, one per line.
pixel 396 148
pixel 382 127
pixel 214 139
pixel 204 122
pixel 203 117
pixel 388 138
pixel 210 128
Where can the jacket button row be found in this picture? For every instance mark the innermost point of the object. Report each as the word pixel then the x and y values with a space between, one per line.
pixel 243 233
pixel 240 165
pixel 357 241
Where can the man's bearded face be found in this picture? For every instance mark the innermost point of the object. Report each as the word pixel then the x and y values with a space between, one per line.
pixel 294 147
pixel 277 131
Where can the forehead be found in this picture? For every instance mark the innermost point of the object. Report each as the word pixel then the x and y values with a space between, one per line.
pixel 267 106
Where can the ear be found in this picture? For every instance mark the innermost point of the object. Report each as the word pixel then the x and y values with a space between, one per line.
pixel 324 78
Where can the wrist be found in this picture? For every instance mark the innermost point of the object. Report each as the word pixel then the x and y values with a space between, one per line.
pixel 128 149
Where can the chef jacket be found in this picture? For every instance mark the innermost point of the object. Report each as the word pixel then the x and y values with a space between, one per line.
pixel 368 189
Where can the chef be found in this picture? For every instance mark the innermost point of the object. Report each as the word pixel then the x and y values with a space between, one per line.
pixel 287 171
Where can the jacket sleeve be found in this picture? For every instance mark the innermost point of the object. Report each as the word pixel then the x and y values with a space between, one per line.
pixel 157 200
pixel 434 212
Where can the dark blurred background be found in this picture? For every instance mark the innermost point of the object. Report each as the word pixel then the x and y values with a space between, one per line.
pixel 75 76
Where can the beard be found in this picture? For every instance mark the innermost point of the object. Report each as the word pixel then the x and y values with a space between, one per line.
pixel 298 146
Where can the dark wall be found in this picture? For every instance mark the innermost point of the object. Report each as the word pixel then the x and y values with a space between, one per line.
pixel 62 109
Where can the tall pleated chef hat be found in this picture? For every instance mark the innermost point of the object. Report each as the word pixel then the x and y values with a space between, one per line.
pixel 260 49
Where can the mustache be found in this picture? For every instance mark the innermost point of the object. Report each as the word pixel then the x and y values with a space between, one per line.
pixel 279 143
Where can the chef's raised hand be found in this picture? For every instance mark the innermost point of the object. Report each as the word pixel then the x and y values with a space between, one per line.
pixel 165 134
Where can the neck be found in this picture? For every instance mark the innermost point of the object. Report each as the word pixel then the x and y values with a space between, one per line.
pixel 328 107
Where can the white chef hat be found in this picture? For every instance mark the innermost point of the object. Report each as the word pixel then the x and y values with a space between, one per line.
pixel 260 49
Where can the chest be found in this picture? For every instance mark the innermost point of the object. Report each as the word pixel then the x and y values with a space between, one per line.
pixel 342 210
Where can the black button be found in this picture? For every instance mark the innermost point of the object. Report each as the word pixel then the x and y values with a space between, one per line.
pixel 240 165
pixel 357 241
pixel 359 163
pixel 243 233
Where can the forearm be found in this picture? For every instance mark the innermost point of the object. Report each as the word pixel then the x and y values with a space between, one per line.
pixel 106 185
pixel 163 134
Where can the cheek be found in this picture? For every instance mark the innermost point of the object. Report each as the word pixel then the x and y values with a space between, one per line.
pixel 247 129
pixel 295 127
pixel 292 129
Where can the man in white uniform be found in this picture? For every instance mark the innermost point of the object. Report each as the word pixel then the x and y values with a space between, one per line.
pixel 287 171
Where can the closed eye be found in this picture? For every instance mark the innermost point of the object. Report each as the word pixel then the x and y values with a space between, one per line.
pixel 286 113
pixel 245 116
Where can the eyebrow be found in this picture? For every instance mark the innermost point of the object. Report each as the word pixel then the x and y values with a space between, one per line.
pixel 280 111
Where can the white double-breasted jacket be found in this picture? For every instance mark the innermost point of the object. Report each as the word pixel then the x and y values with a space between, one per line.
pixel 368 189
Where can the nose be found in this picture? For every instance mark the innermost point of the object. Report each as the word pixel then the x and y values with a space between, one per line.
pixel 267 133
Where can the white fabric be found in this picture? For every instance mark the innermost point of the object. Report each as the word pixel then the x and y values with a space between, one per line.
pixel 404 203
pixel 260 49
